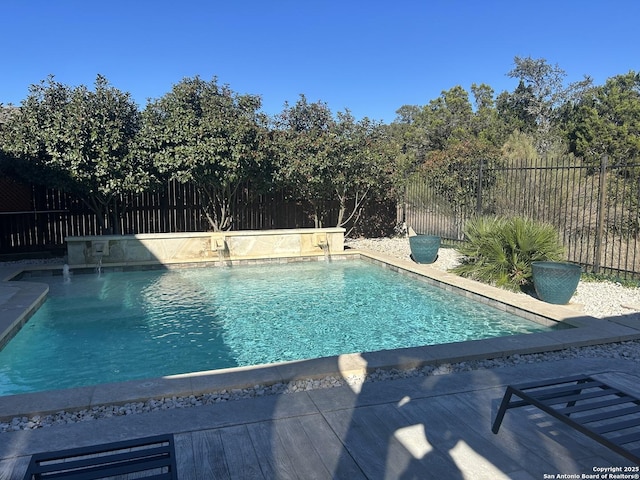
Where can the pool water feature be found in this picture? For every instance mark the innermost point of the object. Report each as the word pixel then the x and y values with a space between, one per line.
pixel 139 324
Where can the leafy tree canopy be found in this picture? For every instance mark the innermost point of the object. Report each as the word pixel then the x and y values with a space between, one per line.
pixel 328 159
pixel 454 171
pixel 543 96
pixel 80 141
pixel 204 133
pixel 305 147
pixel 514 110
pixel 97 144
pixel 606 121
pixel 363 166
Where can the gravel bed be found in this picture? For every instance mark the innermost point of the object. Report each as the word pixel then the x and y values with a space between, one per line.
pixel 600 299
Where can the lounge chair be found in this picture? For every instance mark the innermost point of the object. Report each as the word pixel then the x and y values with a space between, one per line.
pixel 152 455
pixel 600 411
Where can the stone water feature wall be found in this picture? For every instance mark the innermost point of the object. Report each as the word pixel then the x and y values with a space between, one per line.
pixel 190 247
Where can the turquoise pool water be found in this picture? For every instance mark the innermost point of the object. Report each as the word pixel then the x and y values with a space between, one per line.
pixel 130 325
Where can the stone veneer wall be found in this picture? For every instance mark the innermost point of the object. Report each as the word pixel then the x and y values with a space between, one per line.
pixel 202 246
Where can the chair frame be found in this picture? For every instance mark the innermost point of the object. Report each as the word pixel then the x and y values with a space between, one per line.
pixel 599 411
pixel 100 461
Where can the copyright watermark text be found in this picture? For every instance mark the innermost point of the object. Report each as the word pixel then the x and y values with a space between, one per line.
pixel 599 473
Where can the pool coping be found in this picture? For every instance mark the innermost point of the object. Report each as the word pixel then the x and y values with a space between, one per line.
pixel 18 300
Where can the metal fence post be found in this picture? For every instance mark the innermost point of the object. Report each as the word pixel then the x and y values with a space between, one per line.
pixel 602 205
pixel 479 189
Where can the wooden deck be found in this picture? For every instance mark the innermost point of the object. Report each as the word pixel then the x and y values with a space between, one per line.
pixel 435 427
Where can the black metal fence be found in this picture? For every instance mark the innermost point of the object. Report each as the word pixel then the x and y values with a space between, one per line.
pixel 595 208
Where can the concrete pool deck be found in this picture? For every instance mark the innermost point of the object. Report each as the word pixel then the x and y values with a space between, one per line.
pixel 17 298
pixel 413 428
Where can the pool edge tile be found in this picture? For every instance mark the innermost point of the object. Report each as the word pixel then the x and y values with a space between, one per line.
pixel 231 378
pixel 132 391
pixel 340 366
pixel 45 403
pixel 23 302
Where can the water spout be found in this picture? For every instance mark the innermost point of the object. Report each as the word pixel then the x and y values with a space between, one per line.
pixel 99 265
pixel 324 246
pixel 99 249
pixel 66 274
pixel 220 246
pixel 221 256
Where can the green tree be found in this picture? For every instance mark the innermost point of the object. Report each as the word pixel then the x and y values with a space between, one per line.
pixel 518 147
pixel 206 134
pixel 453 172
pixel 80 141
pixel 328 160
pixel 421 130
pixel 409 137
pixel 513 108
pixel 448 118
pixel 7 163
pixel 305 142
pixel 606 121
pixel 363 166
pixel 544 96
pixel 486 123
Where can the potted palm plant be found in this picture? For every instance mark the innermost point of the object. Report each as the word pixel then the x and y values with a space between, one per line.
pixel 505 251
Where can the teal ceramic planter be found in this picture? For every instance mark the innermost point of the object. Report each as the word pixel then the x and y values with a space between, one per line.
pixel 424 248
pixel 555 282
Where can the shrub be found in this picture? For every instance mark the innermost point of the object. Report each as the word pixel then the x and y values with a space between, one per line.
pixel 499 251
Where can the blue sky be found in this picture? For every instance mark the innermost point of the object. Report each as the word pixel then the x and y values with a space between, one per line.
pixel 370 56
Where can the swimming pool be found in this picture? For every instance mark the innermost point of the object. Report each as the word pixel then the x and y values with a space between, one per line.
pixel 130 325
